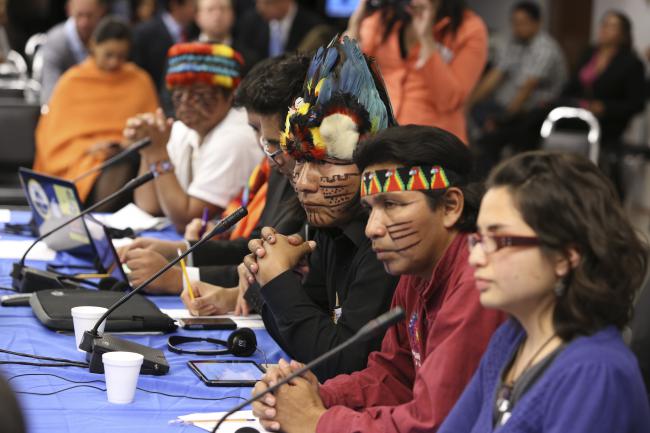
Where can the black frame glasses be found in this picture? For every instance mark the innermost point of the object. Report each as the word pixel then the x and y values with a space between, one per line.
pixel 492 243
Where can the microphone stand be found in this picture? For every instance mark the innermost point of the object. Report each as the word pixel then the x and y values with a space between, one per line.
pixel 135 147
pixel 367 331
pixel 154 362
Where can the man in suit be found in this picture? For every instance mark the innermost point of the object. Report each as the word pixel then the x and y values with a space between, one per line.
pixel 275 27
pixel 153 38
pixel 67 42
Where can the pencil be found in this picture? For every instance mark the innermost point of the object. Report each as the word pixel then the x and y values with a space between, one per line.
pixel 186 276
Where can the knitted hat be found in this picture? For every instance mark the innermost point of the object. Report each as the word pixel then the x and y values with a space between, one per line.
pixel 213 64
pixel 344 99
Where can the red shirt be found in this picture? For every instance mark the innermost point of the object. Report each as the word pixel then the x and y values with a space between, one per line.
pixel 425 361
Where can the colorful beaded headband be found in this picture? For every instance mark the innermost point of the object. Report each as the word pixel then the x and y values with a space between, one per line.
pixel 422 178
pixel 212 64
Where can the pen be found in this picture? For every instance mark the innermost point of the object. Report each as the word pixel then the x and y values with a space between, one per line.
pixel 186 276
pixel 190 422
pixel 204 222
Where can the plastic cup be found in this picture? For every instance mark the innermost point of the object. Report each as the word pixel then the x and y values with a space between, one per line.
pixel 121 370
pixel 84 319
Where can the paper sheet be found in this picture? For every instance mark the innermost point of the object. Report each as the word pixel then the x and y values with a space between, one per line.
pixel 5 216
pixel 133 217
pixel 253 321
pixel 14 249
pixel 237 420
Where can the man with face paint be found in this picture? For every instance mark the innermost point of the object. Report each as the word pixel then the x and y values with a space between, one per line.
pixel 415 184
pixel 346 285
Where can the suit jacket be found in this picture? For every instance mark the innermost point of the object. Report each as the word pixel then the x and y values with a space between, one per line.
pixel 151 41
pixel 57 58
pixel 218 260
pixel 254 32
pixel 620 87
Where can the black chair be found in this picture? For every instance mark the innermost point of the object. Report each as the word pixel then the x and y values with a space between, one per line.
pixel 18 121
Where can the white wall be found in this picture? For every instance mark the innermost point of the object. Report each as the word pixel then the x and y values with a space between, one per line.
pixel 637 10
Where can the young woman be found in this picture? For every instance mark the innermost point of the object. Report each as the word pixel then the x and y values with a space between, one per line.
pixel 88 109
pixel 431 53
pixel 555 251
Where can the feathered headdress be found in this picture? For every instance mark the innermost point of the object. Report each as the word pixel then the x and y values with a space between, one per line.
pixel 195 62
pixel 343 100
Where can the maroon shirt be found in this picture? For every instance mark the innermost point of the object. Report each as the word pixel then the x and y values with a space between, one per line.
pixel 425 361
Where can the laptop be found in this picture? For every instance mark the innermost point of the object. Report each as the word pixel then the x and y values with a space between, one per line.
pixel 52 201
pixel 107 258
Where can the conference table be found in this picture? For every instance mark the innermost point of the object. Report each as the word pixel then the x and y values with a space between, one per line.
pixel 62 406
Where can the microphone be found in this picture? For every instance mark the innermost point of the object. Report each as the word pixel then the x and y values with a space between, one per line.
pixel 154 360
pixel 134 148
pixel 368 331
pixel 26 279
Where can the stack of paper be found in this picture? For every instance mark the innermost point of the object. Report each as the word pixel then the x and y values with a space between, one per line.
pixel 133 217
pixel 207 421
pixel 253 321
pixel 5 215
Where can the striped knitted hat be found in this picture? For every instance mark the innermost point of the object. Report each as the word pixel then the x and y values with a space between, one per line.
pixel 195 62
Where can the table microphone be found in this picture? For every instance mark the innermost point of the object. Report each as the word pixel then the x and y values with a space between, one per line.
pixel 369 330
pixel 25 279
pixel 134 148
pixel 154 360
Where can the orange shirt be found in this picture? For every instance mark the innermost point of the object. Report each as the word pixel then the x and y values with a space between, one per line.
pixel 436 93
pixel 89 106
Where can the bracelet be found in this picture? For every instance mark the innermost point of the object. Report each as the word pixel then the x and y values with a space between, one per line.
pixel 161 167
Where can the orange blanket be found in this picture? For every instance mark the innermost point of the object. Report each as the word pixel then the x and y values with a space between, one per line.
pixel 89 106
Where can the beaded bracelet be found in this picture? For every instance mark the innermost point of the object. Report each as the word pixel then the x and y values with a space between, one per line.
pixel 161 167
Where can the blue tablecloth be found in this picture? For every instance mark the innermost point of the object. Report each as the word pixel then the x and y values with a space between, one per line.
pixel 87 410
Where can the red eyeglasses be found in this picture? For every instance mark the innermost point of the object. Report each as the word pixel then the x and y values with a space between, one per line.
pixel 492 243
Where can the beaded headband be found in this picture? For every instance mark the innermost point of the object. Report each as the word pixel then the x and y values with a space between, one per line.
pixel 212 64
pixel 421 178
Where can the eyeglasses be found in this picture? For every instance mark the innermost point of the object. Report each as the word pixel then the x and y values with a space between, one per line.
pixel 273 156
pixel 493 243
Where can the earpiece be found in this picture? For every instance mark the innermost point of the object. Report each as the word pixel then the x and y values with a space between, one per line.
pixel 241 342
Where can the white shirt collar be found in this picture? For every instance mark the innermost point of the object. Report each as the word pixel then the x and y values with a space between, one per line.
pixel 174 29
pixel 78 48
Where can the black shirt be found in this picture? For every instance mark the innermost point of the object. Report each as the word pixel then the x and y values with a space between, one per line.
pixel 346 287
pixel 217 260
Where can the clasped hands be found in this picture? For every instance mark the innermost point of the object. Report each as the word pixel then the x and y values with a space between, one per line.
pixel 295 407
pixel 275 254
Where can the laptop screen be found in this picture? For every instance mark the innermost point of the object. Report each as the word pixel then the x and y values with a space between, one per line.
pixel 106 254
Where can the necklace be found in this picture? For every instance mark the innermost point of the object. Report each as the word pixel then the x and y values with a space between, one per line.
pixel 532 358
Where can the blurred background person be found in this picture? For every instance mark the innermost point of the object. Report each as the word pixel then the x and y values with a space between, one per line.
pixel 530 73
pixel 87 112
pixel 431 54
pixel 142 10
pixel 67 43
pixel 275 27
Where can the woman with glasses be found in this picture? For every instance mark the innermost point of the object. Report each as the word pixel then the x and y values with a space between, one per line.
pixel 555 251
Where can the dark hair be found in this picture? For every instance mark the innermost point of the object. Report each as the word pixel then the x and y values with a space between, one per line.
pixel 111 28
pixel 569 203
pixel 626 28
pixel 10 411
pixel 395 12
pixel 272 86
pixel 413 145
pixel 167 4
pixel 531 9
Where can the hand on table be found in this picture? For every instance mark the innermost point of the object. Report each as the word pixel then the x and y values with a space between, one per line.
pixel 209 300
pixel 242 308
pixel 144 263
pixel 295 407
pixel 168 249
pixel 275 254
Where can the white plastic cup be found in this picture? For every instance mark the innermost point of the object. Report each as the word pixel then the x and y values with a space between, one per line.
pixel 121 370
pixel 84 319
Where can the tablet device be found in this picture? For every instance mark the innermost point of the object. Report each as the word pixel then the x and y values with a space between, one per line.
pixel 204 323
pixel 227 373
